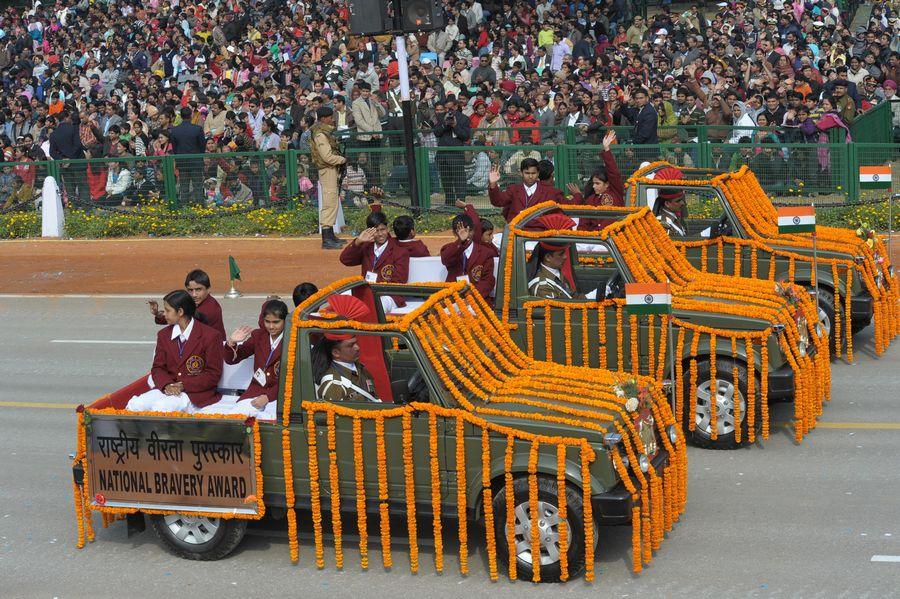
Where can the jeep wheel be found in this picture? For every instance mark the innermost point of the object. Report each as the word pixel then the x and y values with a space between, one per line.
pixel 548 522
pixel 826 315
pixel 197 537
pixel 726 394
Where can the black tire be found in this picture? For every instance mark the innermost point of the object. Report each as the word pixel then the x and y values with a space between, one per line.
pixel 220 543
pixel 701 435
pixel 826 305
pixel 547 493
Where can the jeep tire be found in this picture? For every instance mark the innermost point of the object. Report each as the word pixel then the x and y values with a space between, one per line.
pixel 549 524
pixel 198 538
pixel 701 435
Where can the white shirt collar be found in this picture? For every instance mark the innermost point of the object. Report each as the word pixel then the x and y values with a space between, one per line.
pixel 186 334
pixel 553 271
pixel 468 251
pixel 379 249
pixel 348 365
pixel 273 343
pixel 530 189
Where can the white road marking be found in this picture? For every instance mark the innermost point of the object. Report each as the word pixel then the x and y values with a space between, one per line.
pixel 102 342
pixel 886 558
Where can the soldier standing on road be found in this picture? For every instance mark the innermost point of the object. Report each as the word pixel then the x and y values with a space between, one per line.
pixel 327 158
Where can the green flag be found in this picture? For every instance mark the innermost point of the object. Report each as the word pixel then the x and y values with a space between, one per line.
pixel 234 272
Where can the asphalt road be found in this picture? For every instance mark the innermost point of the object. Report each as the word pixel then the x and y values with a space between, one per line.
pixel 780 520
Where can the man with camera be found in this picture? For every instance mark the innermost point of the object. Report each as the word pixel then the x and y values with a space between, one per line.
pixel 451 128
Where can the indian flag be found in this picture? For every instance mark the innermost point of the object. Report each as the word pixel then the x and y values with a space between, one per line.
pixel 800 219
pixel 648 298
pixel 875 177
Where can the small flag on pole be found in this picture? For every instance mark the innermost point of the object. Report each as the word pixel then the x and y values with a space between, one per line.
pixel 875 177
pixel 234 273
pixel 648 298
pixel 800 219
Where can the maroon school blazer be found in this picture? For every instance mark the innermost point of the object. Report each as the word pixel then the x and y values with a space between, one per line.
pixel 198 365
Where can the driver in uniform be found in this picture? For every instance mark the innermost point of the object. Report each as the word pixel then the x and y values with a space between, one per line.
pixel 669 206
pixel 340 376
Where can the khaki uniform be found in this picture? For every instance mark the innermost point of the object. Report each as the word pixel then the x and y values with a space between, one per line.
pixel 547 285
pixel 324 149
pixel 342 384
pixel 673 223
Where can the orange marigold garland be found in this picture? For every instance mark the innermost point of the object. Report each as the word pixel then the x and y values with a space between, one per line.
pixel 692 387
pixel 461 495
pixel 384 518
pixel 361 515
pixel 488 504
pixel 635 358
pixel 587 456
pixel 734 382
pixel 410 487
pixel 435 492
pixel 334 481
pixel 533 514
pixel 563 511
pixel 314 492
pixel 510 508
pixel 713 389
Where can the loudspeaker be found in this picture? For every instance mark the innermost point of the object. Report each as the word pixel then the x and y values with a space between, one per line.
pixel 369 17
pixel 421 15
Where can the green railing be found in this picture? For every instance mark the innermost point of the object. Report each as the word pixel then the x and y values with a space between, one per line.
pixel 875 125
pixel 444 174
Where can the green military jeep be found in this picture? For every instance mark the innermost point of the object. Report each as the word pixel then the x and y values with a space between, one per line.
pixel 767 346
pixel 463 426
pixel 732 228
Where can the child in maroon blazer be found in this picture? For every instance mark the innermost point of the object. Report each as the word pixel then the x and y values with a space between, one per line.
pixel 520 196
pixel 604 188
pixel 208 309
pixel 379 256
pixel 467 260
pixel 264 344
pixel 405 232
pixel 187 365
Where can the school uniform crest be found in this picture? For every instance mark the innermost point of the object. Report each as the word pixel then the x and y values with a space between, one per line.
pixel 606 200
pixel 194 364
pixel 387 272
pixel 476 273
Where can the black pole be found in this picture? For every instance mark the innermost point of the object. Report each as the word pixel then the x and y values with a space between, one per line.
pixel 410 142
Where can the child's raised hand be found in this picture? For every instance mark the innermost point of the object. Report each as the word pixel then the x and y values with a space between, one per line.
pixel 573 189
pixel 367 235
pixel 494 175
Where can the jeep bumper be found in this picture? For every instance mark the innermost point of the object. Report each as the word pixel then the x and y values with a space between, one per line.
pixel 862 308
pixel 614 506
pixel 781 383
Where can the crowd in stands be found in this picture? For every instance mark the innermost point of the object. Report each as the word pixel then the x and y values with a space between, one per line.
pixel 112 78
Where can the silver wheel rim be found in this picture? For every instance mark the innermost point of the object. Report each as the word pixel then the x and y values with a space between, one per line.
pixel 190 529
pixel 548 525
pixel 825 321
pixel 725 391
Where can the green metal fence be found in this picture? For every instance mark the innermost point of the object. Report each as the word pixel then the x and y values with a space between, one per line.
pixel 444 174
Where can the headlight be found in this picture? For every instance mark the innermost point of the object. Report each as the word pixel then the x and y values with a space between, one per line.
pixel 879 281
pixel 612 439
pixel 644 462
pixel 673 433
